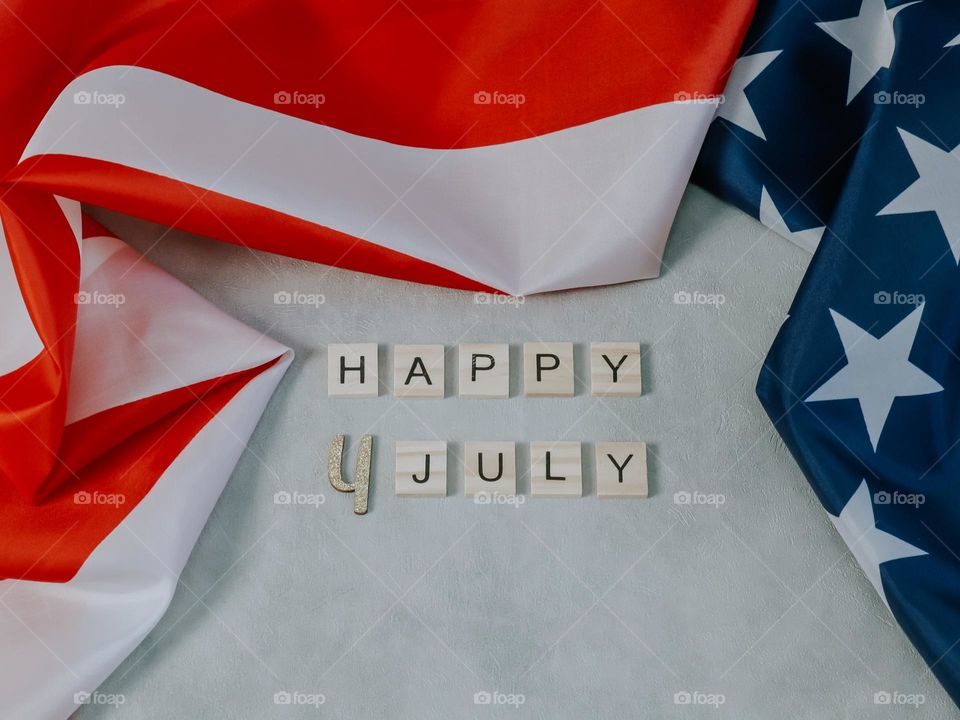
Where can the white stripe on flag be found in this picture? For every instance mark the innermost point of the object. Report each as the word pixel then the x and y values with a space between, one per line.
pixel 60 639
pixel 521 216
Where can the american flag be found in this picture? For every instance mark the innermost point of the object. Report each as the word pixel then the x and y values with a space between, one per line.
pixel 521 146
pixel 839 131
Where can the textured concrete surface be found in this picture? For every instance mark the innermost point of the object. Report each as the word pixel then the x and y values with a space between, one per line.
pixel 579 608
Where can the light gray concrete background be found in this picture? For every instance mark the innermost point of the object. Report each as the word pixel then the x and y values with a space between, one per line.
pixel 581 608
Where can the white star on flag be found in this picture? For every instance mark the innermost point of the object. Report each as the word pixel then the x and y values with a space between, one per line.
pixel 934 190
pixel 878 370
pixel 870 546
pixel 769 215
pixel 736 107
pixel 870 38
pixel 955 41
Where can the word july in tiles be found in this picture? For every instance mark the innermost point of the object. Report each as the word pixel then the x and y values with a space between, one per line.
pixel 483 370
pixel 490 469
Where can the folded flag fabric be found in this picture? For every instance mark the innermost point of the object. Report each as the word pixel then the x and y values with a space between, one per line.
pixel 524 146
pixel 119 434
pixel 844 130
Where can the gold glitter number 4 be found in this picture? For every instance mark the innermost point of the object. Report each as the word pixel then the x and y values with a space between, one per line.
pixel 361 482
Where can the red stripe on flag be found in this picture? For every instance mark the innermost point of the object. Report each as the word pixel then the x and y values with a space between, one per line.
pixel 55 535
pixel 405 72
pixel 211 214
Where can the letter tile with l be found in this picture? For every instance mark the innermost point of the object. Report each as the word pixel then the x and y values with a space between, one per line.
pixel 555 469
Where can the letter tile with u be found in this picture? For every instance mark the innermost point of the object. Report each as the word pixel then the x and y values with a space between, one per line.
pixel 490 468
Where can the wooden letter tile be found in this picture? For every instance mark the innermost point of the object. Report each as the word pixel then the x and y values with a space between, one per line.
pixel 484 370
pixel 421 468
pixel 548 368
pixel 555 469
pixel 621 469
pixel 352 370
pixel 418 371
pixel 490 468
pixel 615 369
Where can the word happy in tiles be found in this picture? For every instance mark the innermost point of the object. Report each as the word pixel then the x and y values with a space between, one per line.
pixel 483 370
